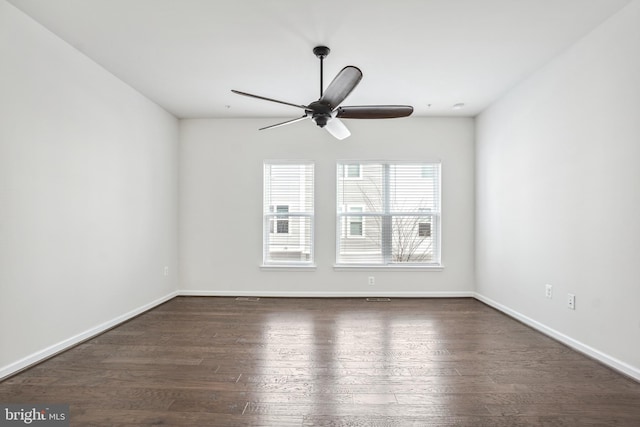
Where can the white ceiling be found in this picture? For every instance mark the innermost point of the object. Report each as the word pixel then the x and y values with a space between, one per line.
pixel 186 55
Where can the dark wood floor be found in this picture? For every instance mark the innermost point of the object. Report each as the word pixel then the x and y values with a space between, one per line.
pixel 277 362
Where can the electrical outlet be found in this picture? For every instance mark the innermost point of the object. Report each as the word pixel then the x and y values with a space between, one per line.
pixel 372 280
pixel 166 271
pixel 548 291
pixel 571 301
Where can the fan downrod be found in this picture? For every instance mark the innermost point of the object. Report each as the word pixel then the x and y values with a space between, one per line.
pixel 321 52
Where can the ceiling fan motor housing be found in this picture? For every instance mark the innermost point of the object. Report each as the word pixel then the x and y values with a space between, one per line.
pixel 320 112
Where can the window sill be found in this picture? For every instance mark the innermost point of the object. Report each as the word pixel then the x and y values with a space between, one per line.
pixel 350 267
pixel 287 267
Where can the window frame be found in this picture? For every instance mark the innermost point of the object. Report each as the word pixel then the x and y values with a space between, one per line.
pixel 386 217
pixel 270 218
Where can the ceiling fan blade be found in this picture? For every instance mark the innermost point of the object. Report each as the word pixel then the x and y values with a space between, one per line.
pixel 341 86
pixel 288 122
pixel 374 111
pixel 336 128
pixel 304 107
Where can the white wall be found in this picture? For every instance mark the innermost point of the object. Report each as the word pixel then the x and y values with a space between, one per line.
pixel 558 194
pixel 221 203
pixel 88 194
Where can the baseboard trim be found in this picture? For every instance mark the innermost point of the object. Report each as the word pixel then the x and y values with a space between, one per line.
pixel 307 294
pixel 611 362
pixel 39 356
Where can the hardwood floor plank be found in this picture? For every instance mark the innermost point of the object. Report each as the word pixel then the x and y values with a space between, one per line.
pixel 210 361
pixel 619 412
pixel 463 421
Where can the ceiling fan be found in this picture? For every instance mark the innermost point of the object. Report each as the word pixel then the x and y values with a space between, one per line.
pixel 326 112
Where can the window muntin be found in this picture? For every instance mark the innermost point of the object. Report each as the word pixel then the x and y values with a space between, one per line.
pixel 288 213
pixel 401 210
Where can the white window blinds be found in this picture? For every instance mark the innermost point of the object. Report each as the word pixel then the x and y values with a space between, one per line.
pixel 390 215
pixel 288 213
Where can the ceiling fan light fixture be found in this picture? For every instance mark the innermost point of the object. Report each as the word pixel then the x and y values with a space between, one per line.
pixel 321 119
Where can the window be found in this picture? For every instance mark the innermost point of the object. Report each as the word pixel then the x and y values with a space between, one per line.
pixel 424 226
pixel 356 228
pixel 424 229
pixel 288 211
pixel 351 171
pixel 353 226
pixel 280 223
pixel 398 205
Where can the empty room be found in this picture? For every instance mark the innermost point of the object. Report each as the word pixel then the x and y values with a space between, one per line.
pixel 287 213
